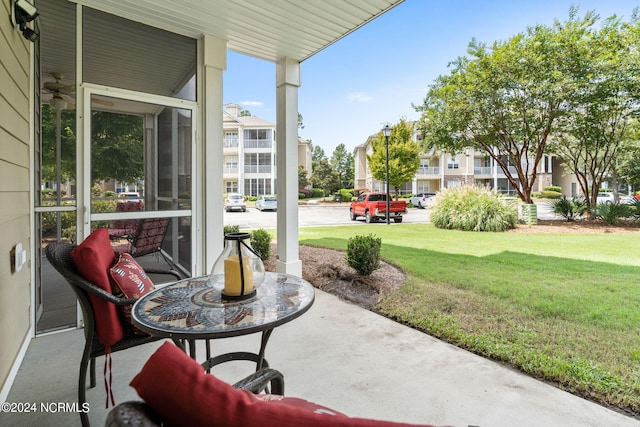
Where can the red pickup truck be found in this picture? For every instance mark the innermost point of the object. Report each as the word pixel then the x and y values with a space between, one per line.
pixel 373 206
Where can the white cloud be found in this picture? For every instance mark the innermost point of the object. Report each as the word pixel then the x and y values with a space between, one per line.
pixel 359 97
pixel 252 103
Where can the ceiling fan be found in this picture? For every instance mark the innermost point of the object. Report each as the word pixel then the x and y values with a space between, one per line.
pixel 60 92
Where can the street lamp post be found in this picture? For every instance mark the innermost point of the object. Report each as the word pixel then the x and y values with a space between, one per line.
pixel 386 131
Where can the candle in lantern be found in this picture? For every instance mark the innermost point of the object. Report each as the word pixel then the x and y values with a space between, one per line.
pixel 232 278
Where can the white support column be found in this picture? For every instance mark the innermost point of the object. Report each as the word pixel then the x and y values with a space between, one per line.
pixel 287 84
pixel 214 62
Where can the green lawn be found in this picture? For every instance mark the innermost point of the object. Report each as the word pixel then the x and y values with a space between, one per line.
pixel 562 307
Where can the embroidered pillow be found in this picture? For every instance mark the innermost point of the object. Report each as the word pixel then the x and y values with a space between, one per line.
pixel 129 280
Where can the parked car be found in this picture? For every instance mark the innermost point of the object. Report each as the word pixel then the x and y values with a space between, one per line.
pixel 129 196
pixel 605 197
pixel 421 200
pixel 373 206
pixel 235 202
pixel 267 202
pixel 625 199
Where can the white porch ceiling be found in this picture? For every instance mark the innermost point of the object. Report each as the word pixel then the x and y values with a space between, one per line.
pixel 266 29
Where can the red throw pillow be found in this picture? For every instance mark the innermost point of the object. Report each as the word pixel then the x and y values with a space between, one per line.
pixel 93 258
pixel 129 280
pixel 179 390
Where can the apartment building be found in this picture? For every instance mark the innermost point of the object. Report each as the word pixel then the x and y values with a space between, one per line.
pixel 250 153
pixel 441 170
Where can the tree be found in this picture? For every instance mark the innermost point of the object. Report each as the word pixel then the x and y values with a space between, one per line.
pixel 342 162
pixel 404 156
pixel 316 155
pixel 67 143
pixel 600 128
pixel 325 177
pixel 117 145
pixel 303 181
pixel 245 113
pixel 300 123
pixel 504 100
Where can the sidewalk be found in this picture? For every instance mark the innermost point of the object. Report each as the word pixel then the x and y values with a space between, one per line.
pixel 341 356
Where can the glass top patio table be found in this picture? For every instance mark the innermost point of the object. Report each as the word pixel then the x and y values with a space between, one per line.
pixel 195 309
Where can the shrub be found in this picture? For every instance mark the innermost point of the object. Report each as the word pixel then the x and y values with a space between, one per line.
pixel 569 208
pixel 317 192
pixel 555 188
pixel 611 212
pixel 363 253
pixel 231 229
pixel 473 208
pixel 547 194
pixel 306 193
pixel 261 243
pixel 347 195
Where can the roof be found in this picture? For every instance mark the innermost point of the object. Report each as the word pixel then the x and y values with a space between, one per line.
pixel 269 30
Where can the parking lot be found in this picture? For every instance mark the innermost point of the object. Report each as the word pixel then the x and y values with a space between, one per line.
pixel 313 216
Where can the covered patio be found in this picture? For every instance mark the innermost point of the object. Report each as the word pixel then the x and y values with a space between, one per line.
pixel 340 356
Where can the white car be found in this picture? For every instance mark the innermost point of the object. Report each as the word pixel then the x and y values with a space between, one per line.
pixel 421 200
pixel 267 202
pixel 129 196
pixel 235 202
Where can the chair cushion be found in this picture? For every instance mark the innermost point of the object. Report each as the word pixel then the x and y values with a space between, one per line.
pixel 180 391
pixel 93 258
pixel 129 280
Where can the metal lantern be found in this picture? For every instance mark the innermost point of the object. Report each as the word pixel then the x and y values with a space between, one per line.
pixel 238 271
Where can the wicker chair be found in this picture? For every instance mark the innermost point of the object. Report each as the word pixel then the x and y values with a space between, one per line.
pixel 59 255
pixel 148 239
pixel 138 413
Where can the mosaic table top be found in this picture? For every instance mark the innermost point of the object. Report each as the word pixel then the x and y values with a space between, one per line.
pixel 196 309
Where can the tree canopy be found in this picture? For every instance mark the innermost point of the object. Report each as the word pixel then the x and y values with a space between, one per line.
pixel 404 156
pixel 342 162
pixel 117 145
pixel 325 177
pixel 509 99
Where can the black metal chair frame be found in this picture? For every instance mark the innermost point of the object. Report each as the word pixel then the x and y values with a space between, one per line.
pixel 59 255
pixel 138 413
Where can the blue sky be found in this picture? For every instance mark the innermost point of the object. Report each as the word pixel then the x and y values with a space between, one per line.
pixel 372 76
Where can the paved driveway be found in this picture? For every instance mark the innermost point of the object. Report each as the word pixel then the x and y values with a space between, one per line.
pixel 312 216
pixel 336 214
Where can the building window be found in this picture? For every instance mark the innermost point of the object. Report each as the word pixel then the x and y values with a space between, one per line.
pixel 257 163
pixel 453 164
pixel 231 187
pixel 423 187
pixel 231 139
pixel 231 164
pixel 257 186
pixel 258 138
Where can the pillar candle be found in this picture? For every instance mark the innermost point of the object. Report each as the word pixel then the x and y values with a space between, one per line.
pixel 232 278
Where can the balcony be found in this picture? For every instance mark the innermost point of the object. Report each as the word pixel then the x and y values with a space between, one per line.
pixel 428 170
pixel 230 143
pixel 257 168
pixel 257 143
pixel 230 170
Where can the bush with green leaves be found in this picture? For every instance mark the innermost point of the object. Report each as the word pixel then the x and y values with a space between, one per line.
pixel 347 194
pixel 555 188
pixel 547 194
pixel 231 229
pixel 611 212
pixel 473 208
pixel 363 253
pixel 569 208
pixel 261 243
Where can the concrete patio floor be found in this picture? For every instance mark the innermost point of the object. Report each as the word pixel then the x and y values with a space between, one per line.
pixel 338 355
